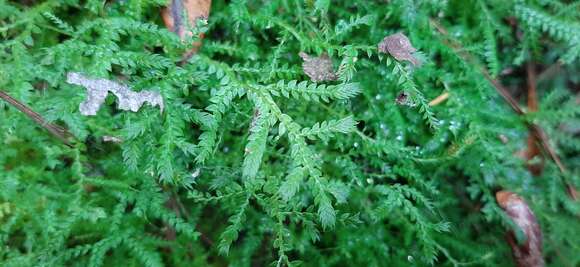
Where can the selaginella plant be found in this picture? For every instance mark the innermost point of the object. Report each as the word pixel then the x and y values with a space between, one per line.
pixel 255 161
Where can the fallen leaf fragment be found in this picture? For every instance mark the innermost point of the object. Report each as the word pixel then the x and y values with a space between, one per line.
pixel 399 46
pixel 318 68
pixel 528 254
pixel 97 90
pixel 173 17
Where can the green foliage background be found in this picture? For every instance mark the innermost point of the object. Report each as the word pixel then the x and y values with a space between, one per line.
pixel 250 164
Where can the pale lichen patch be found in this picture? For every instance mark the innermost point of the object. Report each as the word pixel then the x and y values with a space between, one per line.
pixel 98 89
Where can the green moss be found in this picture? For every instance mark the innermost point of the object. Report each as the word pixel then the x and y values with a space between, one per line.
pixel 252 164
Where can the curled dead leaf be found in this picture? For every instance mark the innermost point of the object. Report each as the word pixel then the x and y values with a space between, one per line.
pixel 318 68
pixel 175 21
pixel 399 46
pixel 528 253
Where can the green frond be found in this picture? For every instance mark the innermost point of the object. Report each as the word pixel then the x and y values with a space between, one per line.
pixel 251 163
pixel 566 31
pixel 312 91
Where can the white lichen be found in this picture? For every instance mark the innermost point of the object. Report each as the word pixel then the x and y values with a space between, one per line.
pixel 97 90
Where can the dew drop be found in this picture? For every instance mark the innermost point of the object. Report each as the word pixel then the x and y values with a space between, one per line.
pixel 196 173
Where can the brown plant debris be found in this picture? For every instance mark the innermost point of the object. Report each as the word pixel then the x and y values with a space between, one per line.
pixel 318 68
pixel 97 90
pixel 404 99
pixel 438 100
pixel 533 149
pixel 535 130
pixel 529 252
pixel 57 131
pixel 399 46
pixel 173 17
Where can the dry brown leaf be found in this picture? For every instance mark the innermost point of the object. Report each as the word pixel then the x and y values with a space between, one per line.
pixel 399 46
pixel 173 17
pixel 318 68
pixel 528 254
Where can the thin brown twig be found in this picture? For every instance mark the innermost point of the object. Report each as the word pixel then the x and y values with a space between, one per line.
pixel 533 150
pixel 59 132
pixel 469 58
pixel 534 129
pixel 532 95
pixel 439 99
